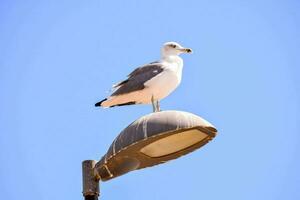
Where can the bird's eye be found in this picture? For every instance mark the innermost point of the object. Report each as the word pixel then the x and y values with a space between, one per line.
pixel 173 46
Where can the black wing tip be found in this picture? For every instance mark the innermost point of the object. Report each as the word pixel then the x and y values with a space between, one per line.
pixel 100 102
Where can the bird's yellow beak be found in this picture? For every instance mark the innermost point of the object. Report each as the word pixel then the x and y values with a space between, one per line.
pixel 186 50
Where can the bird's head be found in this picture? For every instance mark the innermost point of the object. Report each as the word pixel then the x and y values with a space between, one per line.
pixel 174 49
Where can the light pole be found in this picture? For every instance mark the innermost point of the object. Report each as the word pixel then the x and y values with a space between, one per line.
pixel 151 140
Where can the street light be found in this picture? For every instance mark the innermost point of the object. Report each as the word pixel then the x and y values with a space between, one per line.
pixel 151 140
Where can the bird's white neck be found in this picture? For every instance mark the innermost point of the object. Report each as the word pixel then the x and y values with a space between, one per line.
pixel 174 59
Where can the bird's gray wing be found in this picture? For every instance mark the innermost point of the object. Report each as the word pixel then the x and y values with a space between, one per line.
pixel 137 78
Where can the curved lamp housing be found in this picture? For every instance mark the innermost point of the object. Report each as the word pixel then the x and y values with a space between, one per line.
pixel 154 139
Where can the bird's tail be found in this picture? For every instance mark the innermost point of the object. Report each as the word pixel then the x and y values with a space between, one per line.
pixel 100 102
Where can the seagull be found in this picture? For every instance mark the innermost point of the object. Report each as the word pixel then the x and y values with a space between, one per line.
pixel 151 82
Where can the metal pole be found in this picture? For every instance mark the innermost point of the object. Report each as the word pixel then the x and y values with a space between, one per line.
pixel 90 183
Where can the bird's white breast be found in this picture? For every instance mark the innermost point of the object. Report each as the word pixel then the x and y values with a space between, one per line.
pixel 164 83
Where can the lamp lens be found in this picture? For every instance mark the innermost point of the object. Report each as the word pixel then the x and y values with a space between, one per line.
pixel 173 143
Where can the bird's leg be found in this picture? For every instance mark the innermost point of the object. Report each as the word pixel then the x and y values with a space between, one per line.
pixel 157 106
pixel 153 104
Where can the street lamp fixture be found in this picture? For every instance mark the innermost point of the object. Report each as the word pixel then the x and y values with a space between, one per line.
pixel 151 140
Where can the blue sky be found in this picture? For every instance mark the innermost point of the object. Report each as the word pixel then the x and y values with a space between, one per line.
pixel 58 58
